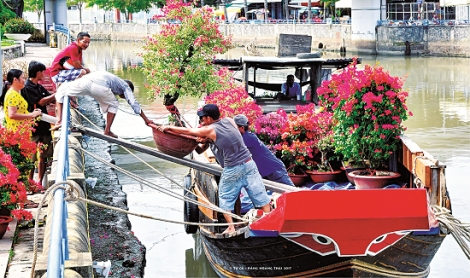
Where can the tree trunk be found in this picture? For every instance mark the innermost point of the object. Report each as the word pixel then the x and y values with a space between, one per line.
pixel 266 11
pixel 286 9
pixel 245 4
pixel 309 14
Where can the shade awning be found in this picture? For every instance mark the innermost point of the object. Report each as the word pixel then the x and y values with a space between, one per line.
pixel 343 4
pixel 241 3
pixel 453 2
pixel 220 12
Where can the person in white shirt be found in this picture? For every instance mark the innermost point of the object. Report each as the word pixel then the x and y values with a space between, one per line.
pixel 290 89
pixel 104 87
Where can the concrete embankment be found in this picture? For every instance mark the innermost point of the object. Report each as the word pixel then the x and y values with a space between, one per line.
pixel 438 40
pixel 94 233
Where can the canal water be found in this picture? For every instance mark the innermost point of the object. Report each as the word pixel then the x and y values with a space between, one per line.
pixel 439 97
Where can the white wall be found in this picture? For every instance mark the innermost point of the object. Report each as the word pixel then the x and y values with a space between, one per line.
pixel 364 15
pixel 89 14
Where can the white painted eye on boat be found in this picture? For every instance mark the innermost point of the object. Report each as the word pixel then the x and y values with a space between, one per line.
pixel 379 239
pixel 292 235
pixel 322 240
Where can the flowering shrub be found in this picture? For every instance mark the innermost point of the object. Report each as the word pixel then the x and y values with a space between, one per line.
pixel 178 59
pixel 232 99
pixel 18 26
pixel 297 139
pixel 16 153
pixel 269 127
pixel 368 108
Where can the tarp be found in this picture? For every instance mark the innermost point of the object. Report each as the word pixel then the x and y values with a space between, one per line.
pixel 343 4
pixel 454 2
pixel 220 12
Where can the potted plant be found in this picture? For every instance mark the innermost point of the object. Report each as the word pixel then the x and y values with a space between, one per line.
pixel 322 170
pixel 290 137
pixel 18 29
pixel 16 152
pixel 369 107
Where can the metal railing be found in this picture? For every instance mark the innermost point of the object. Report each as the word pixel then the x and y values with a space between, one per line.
pixel 59 249
pixel 64 30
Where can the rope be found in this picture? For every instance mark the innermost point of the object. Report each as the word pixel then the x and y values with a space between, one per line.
pixel 152 185
pixel 459 230
pixel 162 189
pixel 52 189
pixel 72 194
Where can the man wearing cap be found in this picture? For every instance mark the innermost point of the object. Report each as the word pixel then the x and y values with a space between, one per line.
pixel 269 166
pixel 239 171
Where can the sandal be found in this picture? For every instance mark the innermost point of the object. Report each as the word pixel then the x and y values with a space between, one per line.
pixel 25 224
pixel 30 204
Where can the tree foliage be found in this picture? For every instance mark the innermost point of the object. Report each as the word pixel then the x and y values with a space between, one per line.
pixel 36 6
pixel 126 6
pixel 178 59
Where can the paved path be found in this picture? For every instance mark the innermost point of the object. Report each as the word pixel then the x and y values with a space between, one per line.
pixel 22 251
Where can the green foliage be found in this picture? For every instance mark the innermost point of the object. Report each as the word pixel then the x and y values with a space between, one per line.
pixel 178 59
pixel 18 26
pixel 126 6
pixel 5 14
pixel 36 6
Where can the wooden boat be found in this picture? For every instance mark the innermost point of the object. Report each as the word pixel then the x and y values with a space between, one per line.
pixel 372 232
pixel 334 233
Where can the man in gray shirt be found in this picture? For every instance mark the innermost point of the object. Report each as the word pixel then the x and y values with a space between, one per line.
pixel 104 87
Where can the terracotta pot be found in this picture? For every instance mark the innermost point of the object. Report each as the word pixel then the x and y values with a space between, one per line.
pixel 4 211
pixel 349 170
pixel 4 222
pixel 320 177
pixel 298 179
pixel 177 145
pixel 370 182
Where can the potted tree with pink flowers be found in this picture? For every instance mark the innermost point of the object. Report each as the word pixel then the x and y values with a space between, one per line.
pixel 369 107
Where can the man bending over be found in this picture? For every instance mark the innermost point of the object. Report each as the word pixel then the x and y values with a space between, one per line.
pixel 104 87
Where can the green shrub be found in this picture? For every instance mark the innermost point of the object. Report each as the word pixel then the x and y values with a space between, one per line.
pixel 5 14
pixel 18 26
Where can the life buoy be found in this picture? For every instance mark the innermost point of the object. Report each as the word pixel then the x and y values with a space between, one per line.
pixel 191 211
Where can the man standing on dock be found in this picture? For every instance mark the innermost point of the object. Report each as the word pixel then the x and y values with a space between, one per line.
pixel 239 170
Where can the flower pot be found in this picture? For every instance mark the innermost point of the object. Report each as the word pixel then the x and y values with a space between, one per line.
pixel 4 222
pixel 298 179
pixel 4 211
pixel 363 180
pixel 18 37
pixel 320 177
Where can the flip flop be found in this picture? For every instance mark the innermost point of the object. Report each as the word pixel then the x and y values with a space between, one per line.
pixel 25 224
pixel 56 127
pixel 30 204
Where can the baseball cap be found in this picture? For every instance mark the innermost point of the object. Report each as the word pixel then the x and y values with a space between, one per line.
pixel 210 110
pixel 241 120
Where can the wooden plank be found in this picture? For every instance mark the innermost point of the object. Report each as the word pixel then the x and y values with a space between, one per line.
pixel 423 171
pixel 206 211
pixel 82 259
pixel 152 151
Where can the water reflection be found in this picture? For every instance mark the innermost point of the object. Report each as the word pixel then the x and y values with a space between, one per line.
pixel 438 96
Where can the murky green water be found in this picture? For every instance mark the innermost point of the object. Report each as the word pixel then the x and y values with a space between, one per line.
pixel 439 99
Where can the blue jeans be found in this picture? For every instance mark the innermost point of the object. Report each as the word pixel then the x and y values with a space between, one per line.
pixel 232 181
pixel 280 176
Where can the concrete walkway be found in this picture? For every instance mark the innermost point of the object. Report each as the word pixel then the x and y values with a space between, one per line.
pixel 21 252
